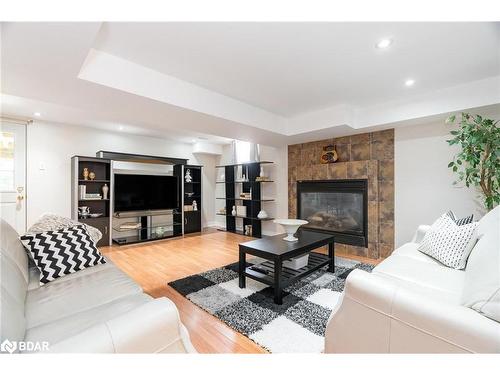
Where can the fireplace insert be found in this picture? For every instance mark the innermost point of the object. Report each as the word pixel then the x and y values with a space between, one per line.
pixel 339 207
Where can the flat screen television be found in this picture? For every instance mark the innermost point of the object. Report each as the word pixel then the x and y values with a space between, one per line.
pixel 133 192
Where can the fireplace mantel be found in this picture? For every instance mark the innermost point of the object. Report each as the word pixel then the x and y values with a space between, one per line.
pixel 367 156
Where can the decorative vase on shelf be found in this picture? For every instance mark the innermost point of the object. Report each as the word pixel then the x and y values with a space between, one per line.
pixel 262 214
pixel 92 175
pixel 105 190
pixel 233 212
pixel 195 206
pixel 85 173
pixel 188 177
pixel 261 172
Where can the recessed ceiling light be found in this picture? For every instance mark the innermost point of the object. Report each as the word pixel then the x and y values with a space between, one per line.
pixel 120 127
pixel 384 43
pixel 409 82
pixel 193 141
pixel 37 114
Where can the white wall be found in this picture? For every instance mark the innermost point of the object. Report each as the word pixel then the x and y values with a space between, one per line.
pixel 53 145
pixel 278 189
pixel 278 172
pixel 423 182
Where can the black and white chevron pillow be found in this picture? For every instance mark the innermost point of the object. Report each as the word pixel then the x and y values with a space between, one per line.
pixel 462 221
pixel 61 252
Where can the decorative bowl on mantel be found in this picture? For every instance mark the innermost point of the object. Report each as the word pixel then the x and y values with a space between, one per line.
pixel 291 226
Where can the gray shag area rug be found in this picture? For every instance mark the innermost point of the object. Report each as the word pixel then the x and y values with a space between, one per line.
pixel 296 326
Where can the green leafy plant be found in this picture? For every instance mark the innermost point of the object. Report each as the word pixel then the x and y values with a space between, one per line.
pixel 478 162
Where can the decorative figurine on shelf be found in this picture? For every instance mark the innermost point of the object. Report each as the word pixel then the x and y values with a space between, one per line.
pixel 105 190
pixel 84 211
pixel 262 172
pixel 160 231
pixel 233 212
pixel 244 178
pixel 85 173
pixel 262 214
pixel 92 176
pixel 188 177
pixel 195 206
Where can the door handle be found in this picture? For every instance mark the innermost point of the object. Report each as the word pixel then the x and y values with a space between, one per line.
pixel 20 195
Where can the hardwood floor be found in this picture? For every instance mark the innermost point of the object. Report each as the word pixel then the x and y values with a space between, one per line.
pixel 153 264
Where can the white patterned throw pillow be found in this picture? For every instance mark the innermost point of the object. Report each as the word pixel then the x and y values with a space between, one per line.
pixel 50 222
pixel 448 242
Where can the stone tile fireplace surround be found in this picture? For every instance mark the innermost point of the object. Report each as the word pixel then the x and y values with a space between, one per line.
pixel 368 155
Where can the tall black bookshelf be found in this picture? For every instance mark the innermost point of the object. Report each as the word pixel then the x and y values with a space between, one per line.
pixel 99 206
pixel 188 193
pixel 253 204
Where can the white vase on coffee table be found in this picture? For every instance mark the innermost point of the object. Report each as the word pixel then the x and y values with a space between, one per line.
pixel 291 226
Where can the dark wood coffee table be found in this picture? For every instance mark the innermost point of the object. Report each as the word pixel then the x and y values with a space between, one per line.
pixel 276 250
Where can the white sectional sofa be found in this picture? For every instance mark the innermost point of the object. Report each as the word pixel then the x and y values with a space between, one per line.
pixel 98 310
pixel 411 303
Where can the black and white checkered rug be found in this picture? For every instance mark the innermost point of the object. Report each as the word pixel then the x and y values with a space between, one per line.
pixel 298 325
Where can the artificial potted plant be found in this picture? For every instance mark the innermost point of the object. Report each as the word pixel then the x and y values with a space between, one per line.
pixel 478 162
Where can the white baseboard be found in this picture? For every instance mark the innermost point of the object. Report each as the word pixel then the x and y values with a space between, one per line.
pixel 212 224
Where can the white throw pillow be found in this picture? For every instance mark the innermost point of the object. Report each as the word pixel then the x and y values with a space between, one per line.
pixel 482 275
pixel 448 242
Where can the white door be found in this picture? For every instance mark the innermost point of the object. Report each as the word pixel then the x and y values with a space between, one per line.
pixel 13 174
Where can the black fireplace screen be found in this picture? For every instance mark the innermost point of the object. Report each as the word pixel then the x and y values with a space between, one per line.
pixel 339 212
pixel 336 206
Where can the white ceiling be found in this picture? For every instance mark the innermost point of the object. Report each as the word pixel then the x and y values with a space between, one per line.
pixel 271 83
pixel 293 68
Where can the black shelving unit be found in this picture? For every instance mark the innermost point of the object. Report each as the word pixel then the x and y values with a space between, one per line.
pixel 102 169
pixel 189 192
pixel 152 226
pixel 253 205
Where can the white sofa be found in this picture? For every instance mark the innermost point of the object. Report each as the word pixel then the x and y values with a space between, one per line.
pixel 411 303
pixel 96 310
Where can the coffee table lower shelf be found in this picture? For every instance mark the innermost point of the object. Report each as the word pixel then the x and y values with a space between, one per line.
pixel 288 275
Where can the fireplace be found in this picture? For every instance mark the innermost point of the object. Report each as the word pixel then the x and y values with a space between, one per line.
pixel 339 207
